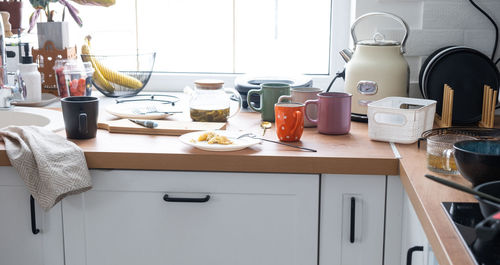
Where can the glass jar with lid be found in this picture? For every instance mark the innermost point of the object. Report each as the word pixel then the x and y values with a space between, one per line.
pixel 211 101
pixel 73 77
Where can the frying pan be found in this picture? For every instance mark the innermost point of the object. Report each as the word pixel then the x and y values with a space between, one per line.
pixel 464 69
pixel 488 207
pixel 487 194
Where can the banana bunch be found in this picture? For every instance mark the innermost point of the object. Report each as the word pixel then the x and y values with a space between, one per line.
pixel 105 3
pixel 104 76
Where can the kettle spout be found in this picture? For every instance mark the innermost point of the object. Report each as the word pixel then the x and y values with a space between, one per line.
pixel 346 54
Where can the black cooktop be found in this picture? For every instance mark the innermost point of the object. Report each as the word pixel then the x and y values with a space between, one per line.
pixel 465 217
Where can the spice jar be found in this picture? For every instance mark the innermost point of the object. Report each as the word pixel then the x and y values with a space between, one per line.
pixel 211 101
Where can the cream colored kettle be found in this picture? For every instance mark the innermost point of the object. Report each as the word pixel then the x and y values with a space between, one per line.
pixel 377 68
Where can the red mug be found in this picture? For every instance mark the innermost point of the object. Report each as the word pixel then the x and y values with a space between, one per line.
pixel 289 121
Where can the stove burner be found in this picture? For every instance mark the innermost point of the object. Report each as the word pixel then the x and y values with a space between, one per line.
pixel 465 217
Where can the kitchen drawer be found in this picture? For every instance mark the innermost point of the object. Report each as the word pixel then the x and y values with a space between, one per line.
pixel 248 219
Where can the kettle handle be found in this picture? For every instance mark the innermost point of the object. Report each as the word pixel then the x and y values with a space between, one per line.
pixel 398 19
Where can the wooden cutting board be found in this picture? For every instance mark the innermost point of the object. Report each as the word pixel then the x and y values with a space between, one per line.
pixel 165 127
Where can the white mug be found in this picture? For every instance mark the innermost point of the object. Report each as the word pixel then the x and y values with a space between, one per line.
pixel 300 95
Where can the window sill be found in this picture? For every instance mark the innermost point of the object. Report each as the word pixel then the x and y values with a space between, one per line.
pixel 178 81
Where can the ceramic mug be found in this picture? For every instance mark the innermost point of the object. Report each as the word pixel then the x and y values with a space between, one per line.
pixel 80 116
pixel 269 94
pixel 334 112
pixel 301 95
pixel 289 121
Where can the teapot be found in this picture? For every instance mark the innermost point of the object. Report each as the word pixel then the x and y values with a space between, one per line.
pixel 211 101
pixel 375 68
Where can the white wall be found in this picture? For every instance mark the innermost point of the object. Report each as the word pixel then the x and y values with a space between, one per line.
pixel 434 24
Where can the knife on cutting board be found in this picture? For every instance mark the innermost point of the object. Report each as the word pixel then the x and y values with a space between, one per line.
pixel 145 123
pixel 165 127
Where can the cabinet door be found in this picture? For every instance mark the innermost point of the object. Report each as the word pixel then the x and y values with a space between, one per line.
pixel 18 244
pixel 248 219
pixel 352 219
pixel 405 240
pixel 415 247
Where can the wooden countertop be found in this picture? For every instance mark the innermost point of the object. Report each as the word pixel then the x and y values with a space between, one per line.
pixel 353 153
pixel 426 197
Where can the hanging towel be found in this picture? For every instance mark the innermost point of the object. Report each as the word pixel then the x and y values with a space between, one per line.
pixel 50 166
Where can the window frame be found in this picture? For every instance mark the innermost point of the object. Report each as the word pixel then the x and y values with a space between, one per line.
pixel 341 14
pixel 340 20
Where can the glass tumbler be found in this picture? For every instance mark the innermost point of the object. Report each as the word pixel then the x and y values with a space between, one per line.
pixel 440 156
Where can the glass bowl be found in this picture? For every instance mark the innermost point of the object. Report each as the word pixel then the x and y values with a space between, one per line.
pixel 125 75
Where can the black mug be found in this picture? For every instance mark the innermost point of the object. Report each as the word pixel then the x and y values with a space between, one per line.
pixel 80 116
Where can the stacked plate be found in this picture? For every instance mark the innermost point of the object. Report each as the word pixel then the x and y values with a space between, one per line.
pixel 466 71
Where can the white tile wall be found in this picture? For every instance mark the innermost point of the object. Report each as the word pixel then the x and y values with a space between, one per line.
pixel 434 24
pixel 481 40
pixel 458 14
pixel 423 42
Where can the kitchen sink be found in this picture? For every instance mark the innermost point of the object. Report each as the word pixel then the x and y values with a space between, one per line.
pixel 20 116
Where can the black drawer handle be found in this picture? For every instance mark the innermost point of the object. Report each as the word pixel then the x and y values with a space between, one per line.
pixel 409 254
pixel 173 199
pixel 34 230
pixel 353 219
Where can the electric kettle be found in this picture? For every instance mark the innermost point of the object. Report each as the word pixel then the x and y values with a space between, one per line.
pixel 376 69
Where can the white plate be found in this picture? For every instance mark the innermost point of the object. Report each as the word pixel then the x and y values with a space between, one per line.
pixel 47 98
pixel 125 110
pixel 237 144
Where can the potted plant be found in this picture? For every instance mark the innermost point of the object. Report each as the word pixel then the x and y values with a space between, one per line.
pixel 58 32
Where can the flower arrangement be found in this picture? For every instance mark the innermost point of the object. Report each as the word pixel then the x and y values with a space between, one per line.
pixel 43 5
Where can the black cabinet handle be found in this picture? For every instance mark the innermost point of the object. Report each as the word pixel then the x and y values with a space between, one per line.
pixel 34 230
pixel 173 199
pixel 409 254
pixel 353 219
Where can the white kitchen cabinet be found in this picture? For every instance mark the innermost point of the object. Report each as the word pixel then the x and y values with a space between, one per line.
pixel 406 242
pixel 352 219
pixel 18 244
pixel 414 243
pixel 247 219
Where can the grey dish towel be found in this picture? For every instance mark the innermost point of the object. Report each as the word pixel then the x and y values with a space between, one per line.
pixel 50 166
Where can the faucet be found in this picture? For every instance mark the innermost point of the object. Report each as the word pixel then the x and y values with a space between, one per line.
pixel 8 92
pixel 3 69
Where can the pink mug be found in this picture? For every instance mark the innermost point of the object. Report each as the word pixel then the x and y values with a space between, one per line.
pixel 334 112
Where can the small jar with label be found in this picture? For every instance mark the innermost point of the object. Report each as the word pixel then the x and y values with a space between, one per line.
pixel 211 101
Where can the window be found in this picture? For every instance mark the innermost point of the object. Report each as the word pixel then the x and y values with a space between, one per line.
pixel 221 38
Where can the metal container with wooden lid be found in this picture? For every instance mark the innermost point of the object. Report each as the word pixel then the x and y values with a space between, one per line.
pixel 211 101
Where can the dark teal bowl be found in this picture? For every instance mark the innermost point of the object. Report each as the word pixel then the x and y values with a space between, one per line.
pixel 478 160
